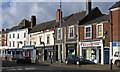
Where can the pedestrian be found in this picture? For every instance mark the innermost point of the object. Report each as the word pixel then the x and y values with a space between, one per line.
pixel 6 57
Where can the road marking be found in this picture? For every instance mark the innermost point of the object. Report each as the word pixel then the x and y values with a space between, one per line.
pixel 29 68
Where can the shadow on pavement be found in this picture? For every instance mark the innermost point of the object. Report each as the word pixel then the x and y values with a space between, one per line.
pixel 14 64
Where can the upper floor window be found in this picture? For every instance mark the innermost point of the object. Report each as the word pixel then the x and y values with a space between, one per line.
pixel 48 39
pixel 10 36
pixel 24 35
pixel 13 43
pixel 40 39
pixel 30 42
pixel 99 30
pixel 24 43
pixel 18 36
pixel 71 31
pixel 18 45
pixel 88 31
pixel 0 43
pixel 9 44
pixel 13 35
pixel 59 33
pixel 5 36
pixel 5 43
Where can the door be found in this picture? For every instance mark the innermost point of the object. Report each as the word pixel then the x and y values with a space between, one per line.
pixel 106 56
pixel 45 55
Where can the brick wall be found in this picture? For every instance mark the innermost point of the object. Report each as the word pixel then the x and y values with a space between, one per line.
pixel 116 25
pixel 106 27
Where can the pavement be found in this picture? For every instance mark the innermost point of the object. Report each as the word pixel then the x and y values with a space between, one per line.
pixel 9 66
pixel 87 66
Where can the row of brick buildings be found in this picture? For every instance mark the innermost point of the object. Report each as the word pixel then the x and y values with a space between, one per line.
pixel 87 34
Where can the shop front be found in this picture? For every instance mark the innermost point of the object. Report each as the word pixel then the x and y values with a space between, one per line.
pixel 93 51
pixel 29 51
pixel 71 49
pixel 48 53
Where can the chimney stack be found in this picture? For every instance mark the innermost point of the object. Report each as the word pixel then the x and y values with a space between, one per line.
pixel 33 21
pixel 26 24
pixel 88 6
pixel 58 15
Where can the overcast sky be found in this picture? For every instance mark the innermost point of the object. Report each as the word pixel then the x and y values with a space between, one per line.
pixel 14 12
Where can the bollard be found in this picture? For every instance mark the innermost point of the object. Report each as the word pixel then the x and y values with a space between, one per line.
pixel 110 64
pixel 51 60
pixel 79 62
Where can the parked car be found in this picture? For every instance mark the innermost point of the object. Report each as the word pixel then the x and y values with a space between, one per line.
pixel 75 60
pixel 23 59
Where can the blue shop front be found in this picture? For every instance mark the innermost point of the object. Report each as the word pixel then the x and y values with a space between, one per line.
pixel 29 51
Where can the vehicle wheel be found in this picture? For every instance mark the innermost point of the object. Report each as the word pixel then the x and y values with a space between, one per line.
pixel 66 62
pixel 77 62
pixel 118 63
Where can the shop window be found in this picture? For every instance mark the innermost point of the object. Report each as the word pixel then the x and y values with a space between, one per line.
pixel 88 32
pixel 48 39
pixel 100 30
pixel 71 31
pixel 59 33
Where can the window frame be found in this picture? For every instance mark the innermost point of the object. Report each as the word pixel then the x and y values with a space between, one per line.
pixel 13 43
pixel 58 33
pixel 97 30
pixel 90 31
pixel 48 40
pixel 70 31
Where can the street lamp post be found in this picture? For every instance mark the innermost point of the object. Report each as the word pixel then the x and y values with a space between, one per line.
pixel 60 37
pixel 111 41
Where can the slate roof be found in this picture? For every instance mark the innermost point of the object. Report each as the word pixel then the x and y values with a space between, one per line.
pixel 46 25
pixel 98 20
pixel 82 17
pixel 117 4
pixel 17 27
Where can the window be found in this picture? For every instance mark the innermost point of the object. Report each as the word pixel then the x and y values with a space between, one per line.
pixel 88 31
pixel 10 36
pixel 4 43
pixel 0 43
pixel 24 35
pixel 40 40
pixel 59 33
pixel 71 31
pixel 18 36
pixel 30 42
pixel 9 44
pixel 48 39
pixel 24 43
pixel 5 36
pixel 13 35
pixel 18 45
pixel 99 30
pixel 13 43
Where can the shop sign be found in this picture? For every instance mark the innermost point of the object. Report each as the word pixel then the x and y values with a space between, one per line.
pixel 91 44
pixel 116 43
pixel 71 45
pixel 28 47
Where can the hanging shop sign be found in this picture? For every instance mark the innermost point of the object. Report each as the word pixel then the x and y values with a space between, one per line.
pixel 116 43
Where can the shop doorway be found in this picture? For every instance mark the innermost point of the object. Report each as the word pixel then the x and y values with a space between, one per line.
pixel 106 56
pixel 57 53
pixel 45 55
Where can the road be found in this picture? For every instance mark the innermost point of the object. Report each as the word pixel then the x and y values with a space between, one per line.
pixel 13 67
